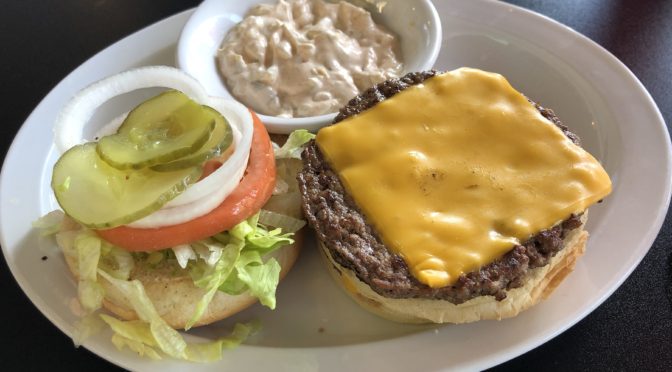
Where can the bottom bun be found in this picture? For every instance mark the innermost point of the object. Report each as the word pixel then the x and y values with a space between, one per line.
pixel 175 296
pixel 171 289
pixel 539 284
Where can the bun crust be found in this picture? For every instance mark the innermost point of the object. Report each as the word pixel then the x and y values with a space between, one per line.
pixel 172 290
pixel 539 284
pixel 174 295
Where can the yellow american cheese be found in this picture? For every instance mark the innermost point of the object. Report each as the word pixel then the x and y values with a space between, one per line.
pixel 454 172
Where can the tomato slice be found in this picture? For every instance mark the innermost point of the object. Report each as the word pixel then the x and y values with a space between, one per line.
pixel 252 193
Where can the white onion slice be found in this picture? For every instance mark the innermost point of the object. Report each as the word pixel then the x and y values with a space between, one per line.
pixel 205 195
pixel 241 120
pixel 70 124
pixel 201 197
pixel 112 126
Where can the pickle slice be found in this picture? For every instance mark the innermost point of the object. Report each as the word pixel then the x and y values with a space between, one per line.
pixel 160 130
pixel 100 196
pixel 220 140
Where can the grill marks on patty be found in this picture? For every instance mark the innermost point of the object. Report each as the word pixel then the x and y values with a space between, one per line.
pixel 355 245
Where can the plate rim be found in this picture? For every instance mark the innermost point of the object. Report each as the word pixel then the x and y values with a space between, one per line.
pixel 503 355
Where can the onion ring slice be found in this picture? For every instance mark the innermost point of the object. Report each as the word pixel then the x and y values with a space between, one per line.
pixel 70 123
pixel 201 197
pixel 253 192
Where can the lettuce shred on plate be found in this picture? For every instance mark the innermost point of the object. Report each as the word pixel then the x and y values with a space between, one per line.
pixel 232 262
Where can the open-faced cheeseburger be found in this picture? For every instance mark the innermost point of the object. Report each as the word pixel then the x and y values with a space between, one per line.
pixel 178 214
pixel 449 197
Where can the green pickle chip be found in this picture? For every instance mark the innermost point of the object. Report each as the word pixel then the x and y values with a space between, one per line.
pixel 157 152
pixel 160 130
pixel 220 140
pixel 100 196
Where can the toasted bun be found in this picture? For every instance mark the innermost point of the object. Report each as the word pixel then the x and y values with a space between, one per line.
pixel 175 296
pixel 539 284
pixel 172 290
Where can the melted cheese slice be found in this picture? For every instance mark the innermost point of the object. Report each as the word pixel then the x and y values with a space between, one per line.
pixel 454 172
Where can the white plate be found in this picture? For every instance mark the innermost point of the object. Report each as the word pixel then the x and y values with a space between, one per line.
pixel 316 326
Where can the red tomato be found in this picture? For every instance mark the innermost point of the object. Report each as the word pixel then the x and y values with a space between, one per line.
pixel 252 193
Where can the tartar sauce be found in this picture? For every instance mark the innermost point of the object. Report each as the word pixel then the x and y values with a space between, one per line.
pixel 301 58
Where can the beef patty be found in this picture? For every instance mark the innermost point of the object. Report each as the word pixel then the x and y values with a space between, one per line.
pixel 355 245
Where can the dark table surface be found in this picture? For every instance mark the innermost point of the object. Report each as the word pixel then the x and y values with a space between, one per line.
pixel 43 41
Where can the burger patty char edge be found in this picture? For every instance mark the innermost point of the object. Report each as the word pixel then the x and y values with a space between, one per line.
pixel 355 245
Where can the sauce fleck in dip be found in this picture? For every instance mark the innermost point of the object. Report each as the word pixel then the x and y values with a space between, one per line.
pixel 302 58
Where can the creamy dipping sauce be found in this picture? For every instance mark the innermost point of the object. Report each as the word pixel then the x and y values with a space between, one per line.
pixel 301 58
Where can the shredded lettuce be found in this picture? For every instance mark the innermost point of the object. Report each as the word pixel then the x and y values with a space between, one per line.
pixel 66 240
pixel 240 267
pixel 211 351
pixel 86 327
pixel 50 223
pixel 116 261
pixel 184 253
pixel 294 145
pixel 212 277
pixel 209 251
pixel 233 286
pixel 266 241
pixel 232 262
pixel 135 345
pixel 284 222
pixel 136 330
pixel 245 228
pixel 89 291
pixel 138 336
pixel 260 278
pixel 135 334
pixel 167 339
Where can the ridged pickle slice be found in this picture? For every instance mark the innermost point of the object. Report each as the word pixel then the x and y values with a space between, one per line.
pixel 160 130
pixel 100 196
pixel 220 140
